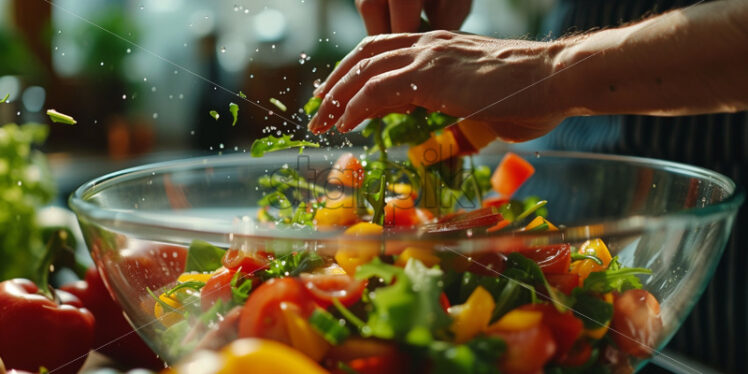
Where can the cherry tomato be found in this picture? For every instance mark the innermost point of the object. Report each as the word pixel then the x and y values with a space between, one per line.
pixel 347 171
pixel 565 327
pixel 563 282
pixel 249 262
pixel 527 350
pixel 326 287
pixel 217 287
pixel 636 323
pixel 511 173
pixel 262 317
pixel 401 211
pixel 552 259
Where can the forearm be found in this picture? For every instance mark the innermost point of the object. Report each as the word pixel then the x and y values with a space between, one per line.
pixel 689 61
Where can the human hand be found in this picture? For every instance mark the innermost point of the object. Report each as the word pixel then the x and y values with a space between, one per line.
pixel 499 82
pixel 385 16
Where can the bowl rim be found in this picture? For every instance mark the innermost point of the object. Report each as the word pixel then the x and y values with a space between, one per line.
pixel 609 226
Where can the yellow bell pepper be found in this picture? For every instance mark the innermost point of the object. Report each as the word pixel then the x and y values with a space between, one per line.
pixel 354 253
pixel 517 320
pixel 594 247
pixel 438 147
pixel 337 212
pixel 303 337
pixel 167 318
pixel 197 277
pixel 426 256
pixel 250 355
pixel 403 189
pixel 537 221
pixel 474 315
pixel 599 332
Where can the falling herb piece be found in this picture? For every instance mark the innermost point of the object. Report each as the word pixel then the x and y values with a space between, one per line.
pixel 271 144
pixel 242 95
pixel 5 98
pixel 214 114
pixel 311 106
pixel 58 117
pixel 278 104
pixel 234 109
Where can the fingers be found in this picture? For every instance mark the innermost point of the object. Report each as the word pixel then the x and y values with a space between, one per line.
pixel 337 99
pixel 368 48
pixel 375 14
pixel 385 93
pixel 405 15
pixel 447 14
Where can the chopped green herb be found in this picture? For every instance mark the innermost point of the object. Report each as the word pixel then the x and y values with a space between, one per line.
pixel 593 311
pixel 214 114
pixel 581 256
pixel 242 95
pixel 234 109
pixel 240 288
pixel 328 326
pixel 203 257
pixel 195 285
pixel 272 144
pixel 292 265
pixel 348 315
pixel 4 99
pixel 278 104
pixel 312 106
pixel 615 278
pixel 58 117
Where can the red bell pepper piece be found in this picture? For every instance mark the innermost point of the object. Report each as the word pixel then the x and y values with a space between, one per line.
pixel 113 336
pixel 37 331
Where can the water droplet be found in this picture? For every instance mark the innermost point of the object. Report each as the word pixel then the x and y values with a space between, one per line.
pixel 537 154
pixel 270 112
pixel 272 46
pixel 314 69
pixel 153 89
pixel 236 8
pixel 124 96
pixel 223 49
pixel 128 50
pixel 317 82
pixel 413 86
pixel 220 146
pixel 246 11
pixel 101 63
pixel 192 132
pixel 155 115
pixel 141 7
pixel 358 71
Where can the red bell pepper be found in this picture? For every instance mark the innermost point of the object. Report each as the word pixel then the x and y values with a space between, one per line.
pixel 113 336
pixel 37 331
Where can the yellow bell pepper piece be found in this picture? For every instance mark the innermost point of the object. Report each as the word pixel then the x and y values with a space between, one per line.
pixel 303 337
pixel 474 315
pixel 196 277
pixel 167 318
pixel 353 253
pixel 517 320
pixel 583 268
pixel 340 211
pixel 438 147
pixel 426 256
pixel 537 221
pixel 599 332
pixel 402 189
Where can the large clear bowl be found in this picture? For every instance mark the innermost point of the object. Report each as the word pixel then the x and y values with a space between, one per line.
pixel 672 218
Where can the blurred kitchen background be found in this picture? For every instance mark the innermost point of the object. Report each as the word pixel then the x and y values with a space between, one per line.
pixel 141 76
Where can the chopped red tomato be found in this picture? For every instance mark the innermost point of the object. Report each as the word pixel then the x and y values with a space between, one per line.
pixel 217 287
pixel 579 354
pixel 347 171
pixel 511 173
pixel 444 301
pixel 552 259
pixel 490 264
pixel 565 327
pixel 401 212
pixel 494 202
pixel 636 324
pixel 262 316
pixel 527 350
pixel 326 287
pixel 366 355
pixel 563 282
pixel 249 262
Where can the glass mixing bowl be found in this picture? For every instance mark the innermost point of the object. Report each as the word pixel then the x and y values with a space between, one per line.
pixel 674 219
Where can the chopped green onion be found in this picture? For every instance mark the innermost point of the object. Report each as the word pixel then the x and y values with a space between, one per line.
pixel 5 98
pixel 214 114
pixel 278 104
pixel 328 326
pixel 242 95
pixel 195 285
pixel 234 109
pixel 58 117
pixel 348 315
